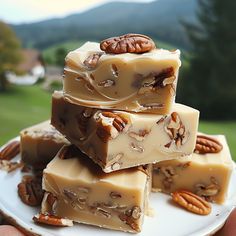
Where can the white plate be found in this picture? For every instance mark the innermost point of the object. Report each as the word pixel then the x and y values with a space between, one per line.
pixel 169 220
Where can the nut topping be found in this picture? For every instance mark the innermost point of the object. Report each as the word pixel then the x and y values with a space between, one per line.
pixel 92 60
pixel 30 191
pixel 191 202
pixel 10 151
pixel 110 125
pixel 52 220
pixel 128 43
pixel 207 144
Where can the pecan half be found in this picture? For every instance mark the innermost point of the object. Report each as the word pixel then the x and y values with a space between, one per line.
pixel 92 60
pixel 30 191
pixel 110 125
pixel 52 220
pixel 68 152
pixel 207 144
pixel 128 43
pixel 10 151
pixel 191 202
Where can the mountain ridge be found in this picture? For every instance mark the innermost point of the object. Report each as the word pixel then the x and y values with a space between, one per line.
pixel 158 19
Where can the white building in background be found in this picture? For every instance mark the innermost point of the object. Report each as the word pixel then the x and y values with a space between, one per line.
pixel 31 69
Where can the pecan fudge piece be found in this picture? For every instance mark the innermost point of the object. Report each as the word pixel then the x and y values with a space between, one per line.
pixel 40 143
pixel 205 173
pixel 77 189
pixel 117 139
pixel 129 81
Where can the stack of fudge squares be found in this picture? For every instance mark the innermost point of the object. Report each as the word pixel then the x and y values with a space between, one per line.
pixel 118 134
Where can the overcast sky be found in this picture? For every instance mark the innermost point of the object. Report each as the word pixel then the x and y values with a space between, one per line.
pixel 23 11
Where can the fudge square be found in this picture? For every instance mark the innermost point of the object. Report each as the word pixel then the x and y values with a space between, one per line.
pixel 143 82
pixel 117 139
pixel 40 143
pixel 82 192
pixel 206 175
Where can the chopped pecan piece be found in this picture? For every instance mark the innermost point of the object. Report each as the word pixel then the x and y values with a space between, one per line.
pixel 52 220
pixel 107 83
pixel 207 144
pixel 10 151
pixel 92 60
pixel 140 135
pixel 137 148
pixel 83 119
pixel 128 43
pixel 30 191
pixel 110 125
pixel 176 131
pixel 191 202
pixel 115 195
pixel 129 220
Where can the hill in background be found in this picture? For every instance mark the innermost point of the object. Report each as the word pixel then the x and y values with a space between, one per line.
pixel 159 19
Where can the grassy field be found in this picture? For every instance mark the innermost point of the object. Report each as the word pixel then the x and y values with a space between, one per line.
pixel 25 106
pixel 22 107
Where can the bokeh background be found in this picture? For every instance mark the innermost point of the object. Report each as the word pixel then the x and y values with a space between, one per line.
pixel 35 36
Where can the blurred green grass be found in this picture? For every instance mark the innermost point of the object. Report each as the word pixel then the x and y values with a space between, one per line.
pixel 24 106
pixel 21 107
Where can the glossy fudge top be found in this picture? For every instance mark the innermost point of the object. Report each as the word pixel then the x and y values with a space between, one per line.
pixel 78 56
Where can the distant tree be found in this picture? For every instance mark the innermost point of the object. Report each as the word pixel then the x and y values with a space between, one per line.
pixel 210 83
pixel 10 54
pixel 60 54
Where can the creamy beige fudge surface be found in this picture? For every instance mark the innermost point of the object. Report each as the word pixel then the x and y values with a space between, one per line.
pixel 117 139
pixel 77 189
pixel 207 175
pixel 132 82
pixel 40 143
